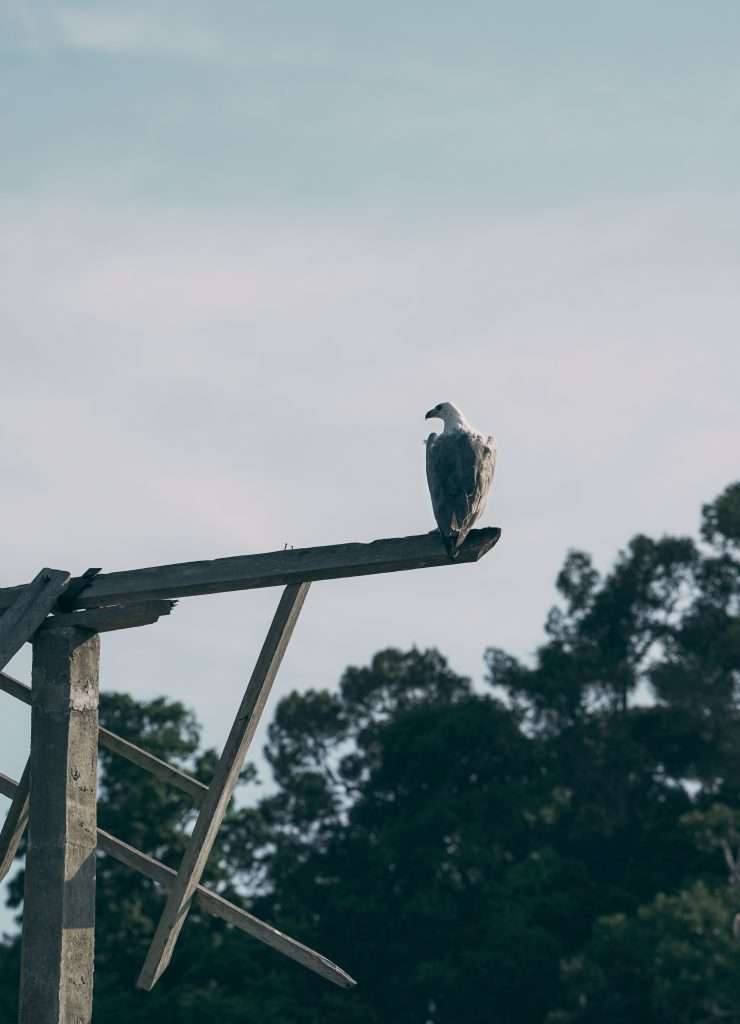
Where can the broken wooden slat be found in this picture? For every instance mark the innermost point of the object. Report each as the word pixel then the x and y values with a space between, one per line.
pixel 29 609
pixel 124 748
pixel 212 903
pixel 222 785
pixel 275 568
pixel 15 823
pixel 102 620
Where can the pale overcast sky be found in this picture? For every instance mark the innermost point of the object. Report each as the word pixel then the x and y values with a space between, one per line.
pixel 246 246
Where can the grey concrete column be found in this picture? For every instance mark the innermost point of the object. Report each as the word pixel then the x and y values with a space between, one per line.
pixel 59 897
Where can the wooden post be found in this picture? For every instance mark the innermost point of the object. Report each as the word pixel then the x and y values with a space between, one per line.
pixel 59 898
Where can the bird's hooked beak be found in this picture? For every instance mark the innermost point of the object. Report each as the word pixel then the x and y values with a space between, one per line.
pixel 429 415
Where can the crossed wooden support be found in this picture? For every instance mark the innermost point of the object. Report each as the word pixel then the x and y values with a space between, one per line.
pixel 62 618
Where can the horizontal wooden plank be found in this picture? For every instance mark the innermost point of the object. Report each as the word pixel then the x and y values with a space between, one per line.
pixel 103 620
pixel 212 903
pixel 28 610
pixel 275 568
pixel 124 748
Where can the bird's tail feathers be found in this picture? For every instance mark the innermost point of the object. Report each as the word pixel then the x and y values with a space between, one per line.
pixel 452 542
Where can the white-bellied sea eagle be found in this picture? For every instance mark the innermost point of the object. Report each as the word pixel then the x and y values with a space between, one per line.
pixel 460 464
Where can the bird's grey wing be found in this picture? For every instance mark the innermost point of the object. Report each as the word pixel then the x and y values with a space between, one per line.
pixel 483 455
pixel 485 465
pixel 459 471
pixel 442 474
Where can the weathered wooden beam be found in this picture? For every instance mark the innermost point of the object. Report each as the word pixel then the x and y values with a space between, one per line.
pixel 103 620
pixel 28 610
pixel 155 766
pixel 15 823
pixel 222 785
pixel 275 568
pixel 219 907
pixel 124 748
pixel 59 891
pixel 8 786
pixel 212 903
pixel 15 688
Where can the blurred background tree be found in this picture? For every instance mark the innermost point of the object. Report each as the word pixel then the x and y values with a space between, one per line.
pixel 561 848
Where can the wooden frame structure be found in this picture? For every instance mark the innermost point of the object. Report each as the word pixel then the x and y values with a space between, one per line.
pixel 62 617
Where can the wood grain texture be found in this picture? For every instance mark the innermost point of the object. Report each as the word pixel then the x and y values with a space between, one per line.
pixel 275 568
pixel 15 823
pixel 28 610
pixel 124 748
pixel 212 903
pixel 224 780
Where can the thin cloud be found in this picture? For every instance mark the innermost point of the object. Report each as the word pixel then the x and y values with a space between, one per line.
pixel 150 30
pixel 133 32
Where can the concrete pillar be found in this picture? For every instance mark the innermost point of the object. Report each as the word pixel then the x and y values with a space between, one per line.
pixel 59 896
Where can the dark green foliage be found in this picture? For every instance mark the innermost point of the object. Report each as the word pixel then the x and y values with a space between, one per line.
pixel 674 961
pixel 721 519
pixel 561 849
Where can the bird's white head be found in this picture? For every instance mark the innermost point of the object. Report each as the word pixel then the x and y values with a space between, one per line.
pixel 450 415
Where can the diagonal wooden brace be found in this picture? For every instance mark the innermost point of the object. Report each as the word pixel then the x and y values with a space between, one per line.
pixel 225 777
pixel 15 823
pixel 212 903
pixel 124 748
pixel 28 611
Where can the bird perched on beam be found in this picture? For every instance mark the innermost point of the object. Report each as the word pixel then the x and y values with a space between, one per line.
pixel 460 464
